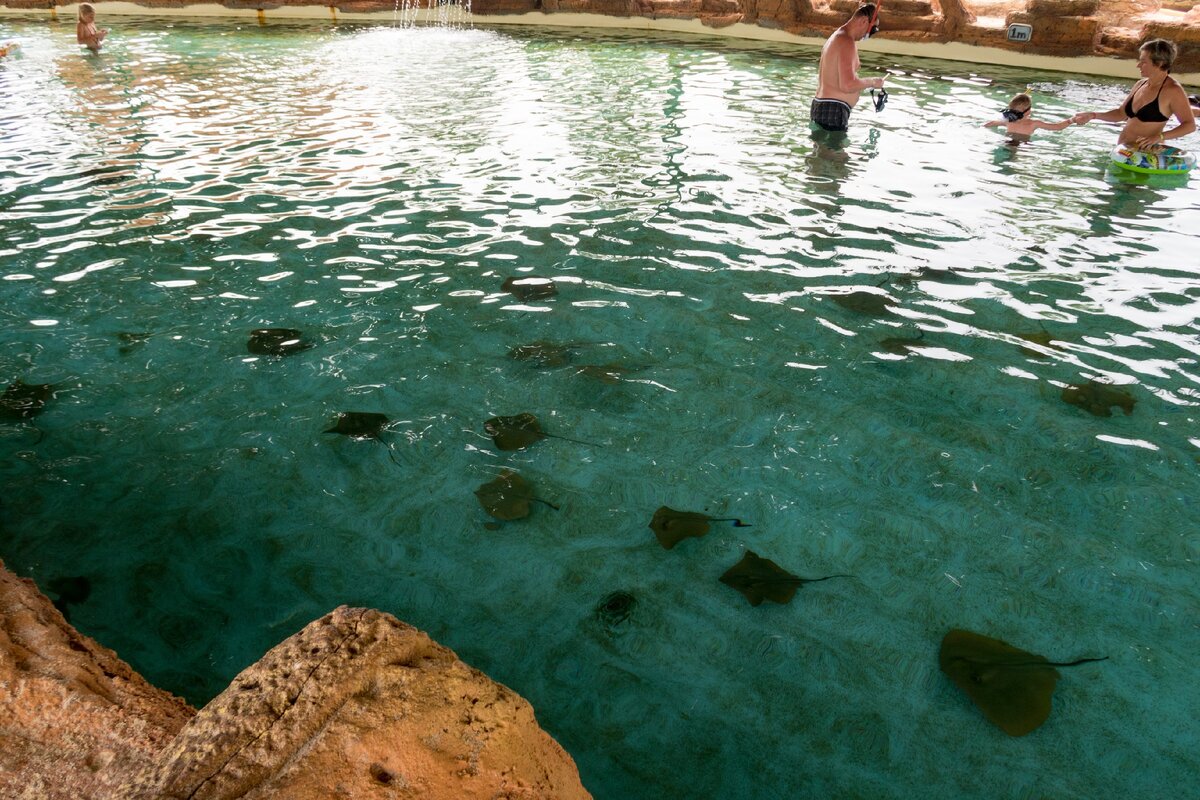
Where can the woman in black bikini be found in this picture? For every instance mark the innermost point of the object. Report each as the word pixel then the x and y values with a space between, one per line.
pixel 1153 101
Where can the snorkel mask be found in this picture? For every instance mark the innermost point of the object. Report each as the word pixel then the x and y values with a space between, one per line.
pixel 1012 116
pixel 874 23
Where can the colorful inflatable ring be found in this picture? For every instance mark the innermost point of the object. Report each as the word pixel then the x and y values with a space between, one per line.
pixel 1159 159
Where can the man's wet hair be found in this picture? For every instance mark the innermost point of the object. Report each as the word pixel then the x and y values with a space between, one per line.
pixel 865 10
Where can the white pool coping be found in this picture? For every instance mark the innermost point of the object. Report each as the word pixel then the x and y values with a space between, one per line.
pixel 950 51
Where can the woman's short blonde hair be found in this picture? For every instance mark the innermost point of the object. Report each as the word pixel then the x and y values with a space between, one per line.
pixel 1161 53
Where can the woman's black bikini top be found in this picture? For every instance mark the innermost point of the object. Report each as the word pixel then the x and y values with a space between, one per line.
pixel 1148 112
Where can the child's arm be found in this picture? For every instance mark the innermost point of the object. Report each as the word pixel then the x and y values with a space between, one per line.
pixel 1051 126
pixel 993 123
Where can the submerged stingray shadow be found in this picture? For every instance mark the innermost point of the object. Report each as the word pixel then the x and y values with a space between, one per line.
pixel 508 496
pixel 759 579
pixel 519 431
pixel 1012 687
pixel 361 425
pixel 671 527
pixel 22 401
pixel 277 342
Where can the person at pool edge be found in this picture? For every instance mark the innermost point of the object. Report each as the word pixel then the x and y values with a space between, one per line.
pixel 86 32
pixel 1152 102
pixel 838 84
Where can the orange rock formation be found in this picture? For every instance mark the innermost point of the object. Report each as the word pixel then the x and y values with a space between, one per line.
pixel 357 704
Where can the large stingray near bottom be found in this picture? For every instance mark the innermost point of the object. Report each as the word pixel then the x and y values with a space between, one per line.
pixel 530 287
pixel 868 303
pixel 507 496
pixel 277 342
pixel 24 400
pixel 519 431
pixel 759 579
pixel 671 527
pixel 1098 398
pixel 1012 687
pixel 362 425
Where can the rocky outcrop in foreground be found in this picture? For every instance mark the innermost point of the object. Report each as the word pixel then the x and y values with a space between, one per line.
pixel 72 714
pixel 356 705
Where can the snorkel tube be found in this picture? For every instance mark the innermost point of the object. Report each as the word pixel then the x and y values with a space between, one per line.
pixel 874 21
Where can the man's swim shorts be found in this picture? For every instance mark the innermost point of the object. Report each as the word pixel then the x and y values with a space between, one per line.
pixel 832 115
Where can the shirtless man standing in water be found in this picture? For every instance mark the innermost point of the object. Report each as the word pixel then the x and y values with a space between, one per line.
pixel 838 84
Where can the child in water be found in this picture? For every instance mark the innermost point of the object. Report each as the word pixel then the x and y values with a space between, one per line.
pixel 1017 121
pixel 86 32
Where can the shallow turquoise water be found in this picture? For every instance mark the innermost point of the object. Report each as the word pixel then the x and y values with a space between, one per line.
pixel 374 187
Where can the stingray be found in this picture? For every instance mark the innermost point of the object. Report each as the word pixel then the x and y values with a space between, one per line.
pixel 1011 687
pixel 672 527
pixel 508 496
pixel 277 342
pixel 1044 338
pixel 1098 398
pixel 543 354
pixel 934 274
pixel 875 305
pixel 518 432
pixel 606 373
pixel 900 345
pixel 615 608
pixel 530 287
pixel 363 425
pixel 70 591
pixel 131 341
pixel 759 579
pixel 24 400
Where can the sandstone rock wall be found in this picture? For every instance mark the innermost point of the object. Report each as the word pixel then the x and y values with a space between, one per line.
pixel 72 714
pixel 356 705
pixel 360 705
pixel 1061 27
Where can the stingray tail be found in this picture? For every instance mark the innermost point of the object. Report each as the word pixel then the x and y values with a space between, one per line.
pixel 737 523
pixel 576 441
pixel 545 503
pixel 1075 663
pixel 829 577
pixel 391 452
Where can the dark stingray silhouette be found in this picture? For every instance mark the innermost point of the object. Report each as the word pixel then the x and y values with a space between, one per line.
pixel 1098 398
pixel 1044 338
pixel 543 354
pixel 869 303
pixel 507 497
pixel 672 527
pixel 901 345
pixel 519 431
pixel 611 374
pixel 363 425
pixel 615 608
pixel 69 591
pixel 131 342
pixel 24 400
pixel 530 287
pixel 1012 687
pixel 277 342
pixel 759 579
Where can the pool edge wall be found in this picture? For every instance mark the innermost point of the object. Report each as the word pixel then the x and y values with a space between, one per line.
pixel 903 45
